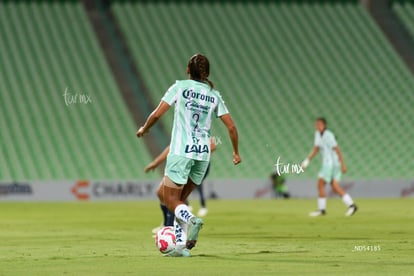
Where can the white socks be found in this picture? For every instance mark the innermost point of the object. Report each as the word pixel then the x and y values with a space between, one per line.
pixel 182 218
pixel 180 233
pixel 182 213
pixel 347 200
pixel 322 203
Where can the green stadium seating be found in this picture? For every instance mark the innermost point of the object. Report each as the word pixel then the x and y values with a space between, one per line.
pixel 405 11
pixel 279 65
pixel 46 48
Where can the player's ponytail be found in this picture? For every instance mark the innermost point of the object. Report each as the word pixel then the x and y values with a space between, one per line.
pixel 199 69
pixel 210 83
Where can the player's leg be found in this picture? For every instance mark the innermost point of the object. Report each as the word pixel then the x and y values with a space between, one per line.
pixel 176 175
pixel 322 194
pixel 181 210
pixel 164 215
pixel 321 202
pixel 203 210
pixel 170 194
pixel 175 191
pixel 200 188
pixel 325 176
pixel 182 226
pixel 166 219
pixel 198 171
pixel 337 189
pixel 168 216
pixel 187 190
pixel 346 198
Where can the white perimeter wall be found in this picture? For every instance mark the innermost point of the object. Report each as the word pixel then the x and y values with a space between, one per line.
pixel 96 190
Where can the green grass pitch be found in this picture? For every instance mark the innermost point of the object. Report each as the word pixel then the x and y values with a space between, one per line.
pixel 243 237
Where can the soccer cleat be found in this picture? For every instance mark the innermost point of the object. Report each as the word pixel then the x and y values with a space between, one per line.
pixel 351 210
pixel 194 226
pixel 317 213
pixel 202 212
pixel 179 251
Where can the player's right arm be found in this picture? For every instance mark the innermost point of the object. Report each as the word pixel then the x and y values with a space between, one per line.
pixel 234 137
pixel 158 160
pixel 153 118
pixel 169 98
pixel 311 155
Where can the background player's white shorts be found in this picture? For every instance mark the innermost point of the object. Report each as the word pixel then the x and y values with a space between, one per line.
pixel 330 172
pixel 180 168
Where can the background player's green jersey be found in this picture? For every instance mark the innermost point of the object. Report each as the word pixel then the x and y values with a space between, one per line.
pixel 326 143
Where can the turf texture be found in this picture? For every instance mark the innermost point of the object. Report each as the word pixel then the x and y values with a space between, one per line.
pixel 243 237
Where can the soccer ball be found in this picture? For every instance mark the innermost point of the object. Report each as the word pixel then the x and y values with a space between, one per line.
pixel 165 239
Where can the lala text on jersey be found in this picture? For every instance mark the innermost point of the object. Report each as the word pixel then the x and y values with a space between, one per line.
pixel 196 148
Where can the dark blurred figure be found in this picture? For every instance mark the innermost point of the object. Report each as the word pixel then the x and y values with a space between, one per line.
pixel 279 187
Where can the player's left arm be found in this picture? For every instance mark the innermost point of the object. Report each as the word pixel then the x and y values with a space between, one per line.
pixel 340 157
pixel 213 146
pixel 234 136
pixel 158 160
pixel 153 118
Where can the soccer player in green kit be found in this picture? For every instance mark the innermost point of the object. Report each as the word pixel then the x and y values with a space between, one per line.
pixel 196 102
pixel 333 166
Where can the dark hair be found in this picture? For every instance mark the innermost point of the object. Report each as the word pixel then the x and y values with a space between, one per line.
pixel 199 69
pixel 323 120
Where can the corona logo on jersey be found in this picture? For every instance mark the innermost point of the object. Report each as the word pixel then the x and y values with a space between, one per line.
pixel 190 94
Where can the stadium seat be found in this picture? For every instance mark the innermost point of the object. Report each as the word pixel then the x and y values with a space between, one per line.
pixel 405 11
pixel 279 65
pixel 47 48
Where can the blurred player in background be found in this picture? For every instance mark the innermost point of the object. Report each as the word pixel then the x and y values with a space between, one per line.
pixel 167 214
pixel 279 185
pixel 196 102
pixel 332 166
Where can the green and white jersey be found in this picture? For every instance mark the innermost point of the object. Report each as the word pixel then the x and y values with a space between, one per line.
pixel 195 103
pixel 326 143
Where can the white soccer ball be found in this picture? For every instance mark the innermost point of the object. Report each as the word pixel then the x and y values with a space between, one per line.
pixel 165 239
